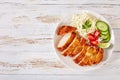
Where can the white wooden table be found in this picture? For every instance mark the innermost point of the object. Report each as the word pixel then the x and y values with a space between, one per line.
pixel 26 39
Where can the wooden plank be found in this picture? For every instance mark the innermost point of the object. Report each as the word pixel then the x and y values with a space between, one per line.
pixel 19 16
pixel 58 77
pixel 49 64
pixel 72 2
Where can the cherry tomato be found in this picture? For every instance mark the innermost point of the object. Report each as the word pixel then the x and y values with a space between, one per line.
pixel 97 34
pixel 94 43
pixel 91 37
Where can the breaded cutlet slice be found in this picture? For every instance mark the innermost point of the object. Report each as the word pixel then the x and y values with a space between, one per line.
pixel 72 46
pixel 99 56
pixel 79 47
pixel 85 60
pixel 65 41
pixel 65 29
pixel 92 57
pixel 77 50
pixel 81 55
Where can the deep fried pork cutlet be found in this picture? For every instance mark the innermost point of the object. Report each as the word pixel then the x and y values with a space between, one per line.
pixel 77 47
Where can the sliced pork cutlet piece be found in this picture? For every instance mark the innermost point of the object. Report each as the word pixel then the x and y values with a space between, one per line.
pixel 72 46
pixel 83 41
pixel 77 50
pixel 93 52
pixel 65 41
pixel 79 47
pixel 93 57
pixel 99 56
pixel 85 60
pixel 81 55
pixel 65 29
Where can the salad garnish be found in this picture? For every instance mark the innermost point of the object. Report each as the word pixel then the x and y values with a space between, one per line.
pixel 86 25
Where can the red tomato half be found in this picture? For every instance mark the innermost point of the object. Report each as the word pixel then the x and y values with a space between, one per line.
pixel 91 37
pixel 97 34
pixel 94 43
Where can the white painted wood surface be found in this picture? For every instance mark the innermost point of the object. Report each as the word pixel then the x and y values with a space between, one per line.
pixel 27 30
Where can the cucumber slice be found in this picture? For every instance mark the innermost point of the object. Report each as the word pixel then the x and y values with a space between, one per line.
pixel 107 40
pixel 104 45
pixel 105 32
pixel 104 36
pixel 102 26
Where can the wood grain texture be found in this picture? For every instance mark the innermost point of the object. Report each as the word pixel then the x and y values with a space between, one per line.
pixel 57 2
pixel 58 77
pixel 27 31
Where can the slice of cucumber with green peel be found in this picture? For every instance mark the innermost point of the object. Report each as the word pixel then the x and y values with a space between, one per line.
pixel 104 45
pixel 104 36
pixel 102 26
pixel 107 40
pixel 105 32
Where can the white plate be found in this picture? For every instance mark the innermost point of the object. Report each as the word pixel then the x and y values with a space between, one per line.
pixel 68 61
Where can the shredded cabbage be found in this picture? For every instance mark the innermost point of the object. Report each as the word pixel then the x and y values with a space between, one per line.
pixel 79 19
